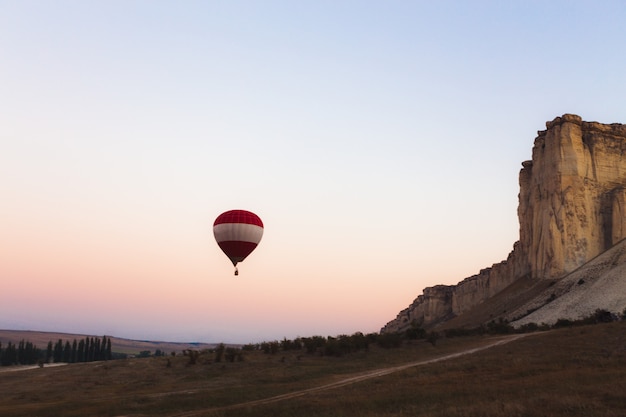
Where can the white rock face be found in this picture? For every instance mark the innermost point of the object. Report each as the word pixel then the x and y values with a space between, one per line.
pixel 600 283
pixel 572 195
pixel 572 207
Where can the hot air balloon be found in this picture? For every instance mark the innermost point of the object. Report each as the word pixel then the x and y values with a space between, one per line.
pixel 237 233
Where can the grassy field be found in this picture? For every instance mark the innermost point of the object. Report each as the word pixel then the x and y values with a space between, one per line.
pixel 577 371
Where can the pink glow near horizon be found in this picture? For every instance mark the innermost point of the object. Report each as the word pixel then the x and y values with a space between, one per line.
pixel 379 145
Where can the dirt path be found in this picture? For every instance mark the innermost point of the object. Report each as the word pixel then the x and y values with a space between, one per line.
pixel 354 379
pixel 27 367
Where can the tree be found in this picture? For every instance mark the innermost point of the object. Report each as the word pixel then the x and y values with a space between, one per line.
pixel 415 332
pixel 86 351
pixel 67 352
pixel 49 351
pixel 96 350
pixel 92 350
pixel 192 354
pixel 108 350
pixel 232 353
pixel 21 353
pixel 58 351
pixel 389 340
pixel 432 338
pixel 27 353
pixel 80 354
pixel 219 352
pixel 103 349
pixel 9 355
pixel 74 357
pixel 314 343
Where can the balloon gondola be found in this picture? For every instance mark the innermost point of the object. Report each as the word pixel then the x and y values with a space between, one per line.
pixel 237 232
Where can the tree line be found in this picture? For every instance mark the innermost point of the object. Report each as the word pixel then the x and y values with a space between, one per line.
pixel 346 344
pixel 88 349
pixel 329 346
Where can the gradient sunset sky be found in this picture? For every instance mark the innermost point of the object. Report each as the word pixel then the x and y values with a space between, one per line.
pixel 379 141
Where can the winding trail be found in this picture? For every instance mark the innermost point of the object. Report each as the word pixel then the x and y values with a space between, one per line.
pixel 354 379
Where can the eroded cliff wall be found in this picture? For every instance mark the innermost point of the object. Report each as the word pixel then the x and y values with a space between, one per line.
pixel 572 195
pixel 572 207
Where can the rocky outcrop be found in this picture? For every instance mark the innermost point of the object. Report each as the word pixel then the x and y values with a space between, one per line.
pixel 572 207
pixel 443 302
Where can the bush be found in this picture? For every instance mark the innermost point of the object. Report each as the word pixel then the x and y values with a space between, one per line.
pixel 231 354
pixel 271 348
pixel 389 340
pixel 563 323
pixel 501 327
pixel 415 333
pixel 250 347
pixel 528 328
pixel 459 332
pixel 219 352
pixel 312 344
pixel 432 338
pixel 603 316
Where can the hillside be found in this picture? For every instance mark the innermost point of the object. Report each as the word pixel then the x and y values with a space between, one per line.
pixel 118 345
pixel 600 283
pixel 514 297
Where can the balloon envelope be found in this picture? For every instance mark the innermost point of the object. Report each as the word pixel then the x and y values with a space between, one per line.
pixel 238 232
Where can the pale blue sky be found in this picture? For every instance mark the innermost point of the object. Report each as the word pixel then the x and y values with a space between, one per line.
pixel 380 142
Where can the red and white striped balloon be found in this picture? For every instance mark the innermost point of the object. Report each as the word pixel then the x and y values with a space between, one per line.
pixel 238 232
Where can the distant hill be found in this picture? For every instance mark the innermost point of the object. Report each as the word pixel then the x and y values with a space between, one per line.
pixel 118 344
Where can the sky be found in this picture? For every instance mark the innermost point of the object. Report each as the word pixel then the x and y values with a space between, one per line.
pixel 379 141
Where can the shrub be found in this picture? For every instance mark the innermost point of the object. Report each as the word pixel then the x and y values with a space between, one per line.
pixel 458 332
pixel 603 316
pixel 312 344
pixel 501 327
pixel 389 340
pixel 231 354
pixel 563 323
pixel 415 333
pixel 250 347
pixel 432 338
pixel 333 347
pixel 528 328
pixel 219 352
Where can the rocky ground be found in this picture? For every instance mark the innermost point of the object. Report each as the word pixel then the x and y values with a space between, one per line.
pixel 600 283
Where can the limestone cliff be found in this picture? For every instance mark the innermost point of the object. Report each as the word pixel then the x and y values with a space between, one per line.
pixel 572 195
pixel 572 207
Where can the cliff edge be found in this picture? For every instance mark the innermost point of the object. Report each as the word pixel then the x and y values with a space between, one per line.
pixel 572 208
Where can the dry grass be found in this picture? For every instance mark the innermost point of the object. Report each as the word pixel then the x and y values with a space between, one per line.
pixel 577 371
